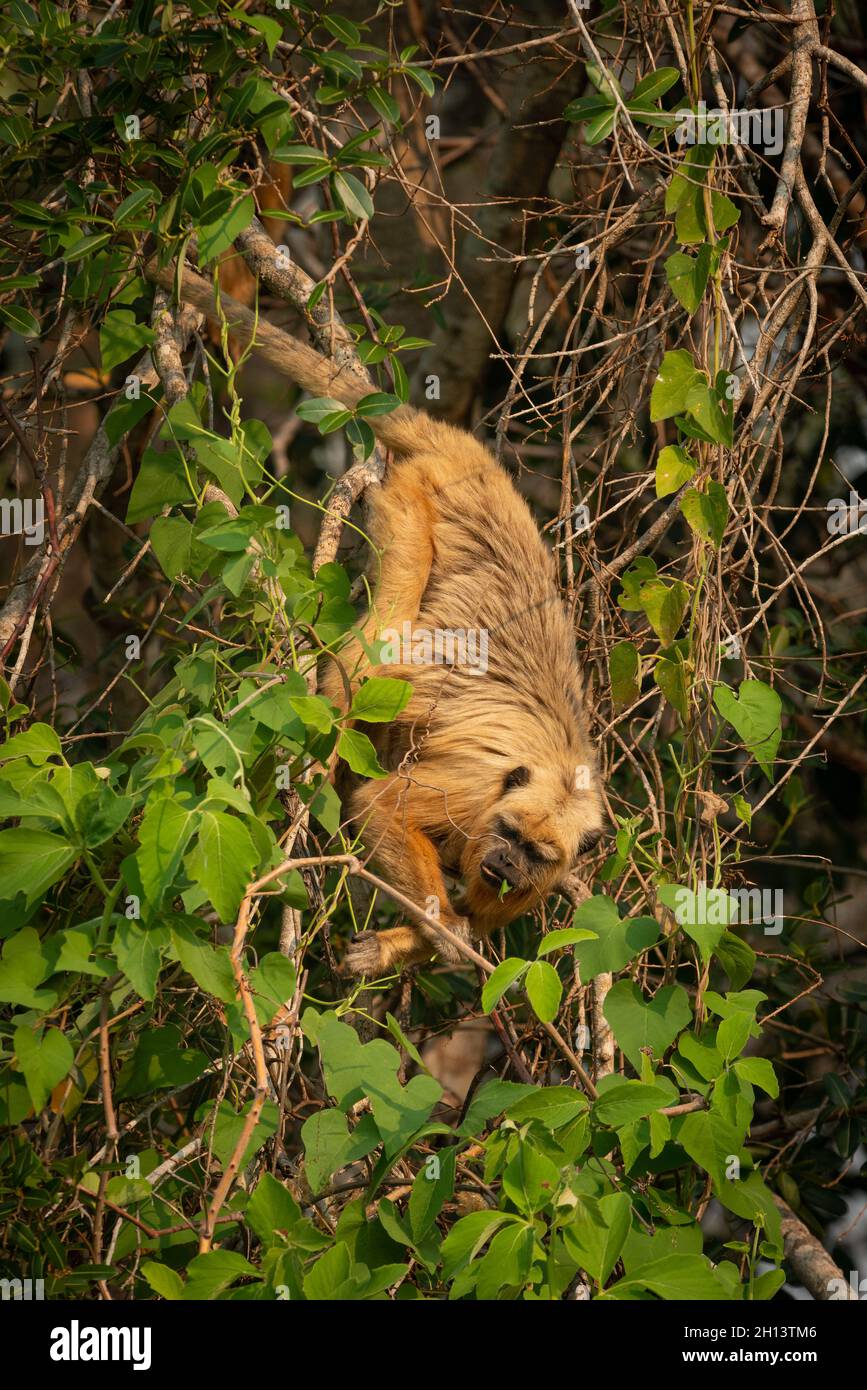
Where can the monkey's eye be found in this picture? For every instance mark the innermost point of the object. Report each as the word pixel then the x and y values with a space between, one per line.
pixel 518 777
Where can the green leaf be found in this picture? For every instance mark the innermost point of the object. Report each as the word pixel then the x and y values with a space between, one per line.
pixel 222 862
pixel 563 937
pixel 31 861
pixel 319 408
pixel 325 806
pixel 665 606
pixel 137 952
pixel 272 984
pixel 236 571
pixel 361 436
pixel 330 1145
pixel 759 1071
pixel 705 408
pixel 24 967
pixel 434 1185
pixel 677 374
pixel 229 1126
pixel 164 1281
pixel 353 196
pixel 725 213
pixel 270 29
pixel 160 1061
pixel 506 1264
pixel 531 1179
pixel 37 744
pixel 272 1209
pixel 732 1036
pixel 161 482
pixel 120 337
pixel 691 175
pixel 654 85
pixel 197 676
pixel 674 467
pixel 313 711
pixel 354 1069
pixel 132 204
pixel 600 127
pixel 704 916
pixel 173 542
pixel 101 813
pixel 737 959
pixel 377 403
pixel 384 104
pixel 628 1101
pixel 639 1023
pixel 76 953
pixel 342 29
pixel 358 751
pixel 706 1060
pixel 380 699
pixel 624 671
pixel 691 224
pixel 330 1278
pixel 544 990
pixel 489 1100
pixel 86 245
pixel 747 1000
pixel 505 974
pixel 748 1197
pixel 466 1238
pixel 690 1278
pixel 619 942
pixel 589 108
pixel 20 320
pixel 707 512
pixel 217 236
pixel 552 1106
pixel 711 1139
pixel 44 1058
pixel 688 276
pixel 671 676
pixel 597 1233
pixel 754 713
pixel 210 966
pixel 326 1141
pixel 422 79
pixel 210 1274
pixel 163 834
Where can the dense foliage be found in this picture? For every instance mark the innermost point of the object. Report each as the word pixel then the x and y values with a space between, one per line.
pixel 197 1102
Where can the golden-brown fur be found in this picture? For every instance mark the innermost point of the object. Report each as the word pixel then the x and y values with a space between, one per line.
pixel 488 773
pixel 459 550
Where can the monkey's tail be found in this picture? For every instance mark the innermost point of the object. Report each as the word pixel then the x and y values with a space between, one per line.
pixel 405 430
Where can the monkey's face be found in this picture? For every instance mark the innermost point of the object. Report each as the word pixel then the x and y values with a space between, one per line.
pixel 540 823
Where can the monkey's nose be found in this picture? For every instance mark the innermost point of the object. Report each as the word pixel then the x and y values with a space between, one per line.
pixel 497 868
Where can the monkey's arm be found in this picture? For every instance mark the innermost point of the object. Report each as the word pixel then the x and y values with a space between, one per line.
pixel 409 860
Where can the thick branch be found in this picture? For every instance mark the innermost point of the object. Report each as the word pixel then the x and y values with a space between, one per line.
pixel 810 1261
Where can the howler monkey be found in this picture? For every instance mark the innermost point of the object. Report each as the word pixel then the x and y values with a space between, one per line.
pixel 492 776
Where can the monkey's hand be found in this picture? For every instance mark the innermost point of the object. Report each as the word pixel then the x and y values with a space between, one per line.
pixel 574 889
pixel 445 949
pixel 364 956
pixel 377 953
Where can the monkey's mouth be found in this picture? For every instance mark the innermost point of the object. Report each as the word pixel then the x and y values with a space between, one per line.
pixel 491 877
